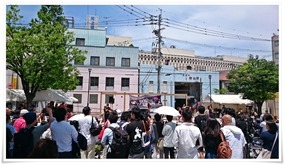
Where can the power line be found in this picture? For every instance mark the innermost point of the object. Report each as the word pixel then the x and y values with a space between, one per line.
pixel 205 31
pixel 215 46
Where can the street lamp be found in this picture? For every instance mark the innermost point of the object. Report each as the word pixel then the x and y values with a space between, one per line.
pixel 210 77
pixel 88 90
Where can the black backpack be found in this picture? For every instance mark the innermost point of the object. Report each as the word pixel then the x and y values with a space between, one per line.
pixel 23 143
pixel 120 144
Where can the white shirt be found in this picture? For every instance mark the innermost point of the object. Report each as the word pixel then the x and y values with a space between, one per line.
pixel 184 138
pixel 85 125
pixel 263 126
pixel 236 139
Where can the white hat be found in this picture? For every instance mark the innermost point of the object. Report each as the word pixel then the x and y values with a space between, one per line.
pixel 23 111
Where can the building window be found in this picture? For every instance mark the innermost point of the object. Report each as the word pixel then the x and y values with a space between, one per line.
pixel 126 62
pixel 110 61
pixel 79 97
pixel 109 81
pixel 125 82
pixel 109 99
pixel 94 81
pixel 80 81
pixel 164 87
pixel 150 87
pixel 276 43
pixel 276 55
pixel 95 60
pixel 94 98
pixel 80 41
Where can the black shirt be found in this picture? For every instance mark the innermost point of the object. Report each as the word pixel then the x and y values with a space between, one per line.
pixel 135 129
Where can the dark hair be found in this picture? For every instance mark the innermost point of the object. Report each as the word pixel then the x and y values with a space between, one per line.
pixel 272 127
pixel 212 127
pixel 187 115
pixel 201 109
pixel 45 149
pixel 125 115
pixel 113 117
pixel 136 111
pixel 169 118
pixel 157 117
pixel 86 110
pixel 75 124
pixel 106 115
pixel 59 114
pixel 267 117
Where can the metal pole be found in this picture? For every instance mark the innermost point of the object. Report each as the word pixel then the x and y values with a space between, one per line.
pixel 159 52
pixel 88 90
pixel 210 77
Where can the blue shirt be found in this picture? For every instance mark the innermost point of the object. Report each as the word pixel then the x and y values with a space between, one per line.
pixel 268 139
pixel 13 131
pixel 108 135
pixel 63 133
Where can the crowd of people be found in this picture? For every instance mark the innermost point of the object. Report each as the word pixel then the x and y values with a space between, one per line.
pixel 196 134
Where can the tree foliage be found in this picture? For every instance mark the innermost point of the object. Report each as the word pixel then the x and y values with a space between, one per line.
pixel 257 79
pixel 40 53
pixel 220 91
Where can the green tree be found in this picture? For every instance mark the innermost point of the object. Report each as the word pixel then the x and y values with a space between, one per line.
pixel 40 52
pixel 257 79
pixel 220 91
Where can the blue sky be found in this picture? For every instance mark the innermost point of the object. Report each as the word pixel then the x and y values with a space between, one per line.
pixel 254 21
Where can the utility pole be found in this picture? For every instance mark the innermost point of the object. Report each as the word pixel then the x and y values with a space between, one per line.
pixel 158 34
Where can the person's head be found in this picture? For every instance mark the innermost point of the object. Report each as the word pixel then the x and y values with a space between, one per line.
pixel 75 124
pixel 126 116
pixel 8 111
pixel 23 111
pixel 212 127
pixel 60 114
pixel 186 115
pixel 227 119
pixel 135 112
pixel 113 117
pixel 45 149
pixel 271 126
pixel 30 118
pixel 86 111
pixel 201 109
pixel 169 118
pixel 157 117
pixel 267 117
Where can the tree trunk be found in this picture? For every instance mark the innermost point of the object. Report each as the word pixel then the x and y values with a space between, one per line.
pixel 259 106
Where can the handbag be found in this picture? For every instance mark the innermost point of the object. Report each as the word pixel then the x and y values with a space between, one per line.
pixel 160 143
pixel 224 151
pixel 94 131
pixel 266 154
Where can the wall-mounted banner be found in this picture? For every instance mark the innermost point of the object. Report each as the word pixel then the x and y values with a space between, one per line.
pixel 145 101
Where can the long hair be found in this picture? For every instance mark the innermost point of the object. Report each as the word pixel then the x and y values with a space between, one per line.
pixel 45 149
pixel 212 127
pixel 272 127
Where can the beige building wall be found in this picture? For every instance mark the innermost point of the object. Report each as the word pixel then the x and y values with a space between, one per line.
pixel 275 48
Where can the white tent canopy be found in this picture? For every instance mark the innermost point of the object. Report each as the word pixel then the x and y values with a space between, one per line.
pixel 15 95
pixel 53 95
pixel 228 99
pixel 44 95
